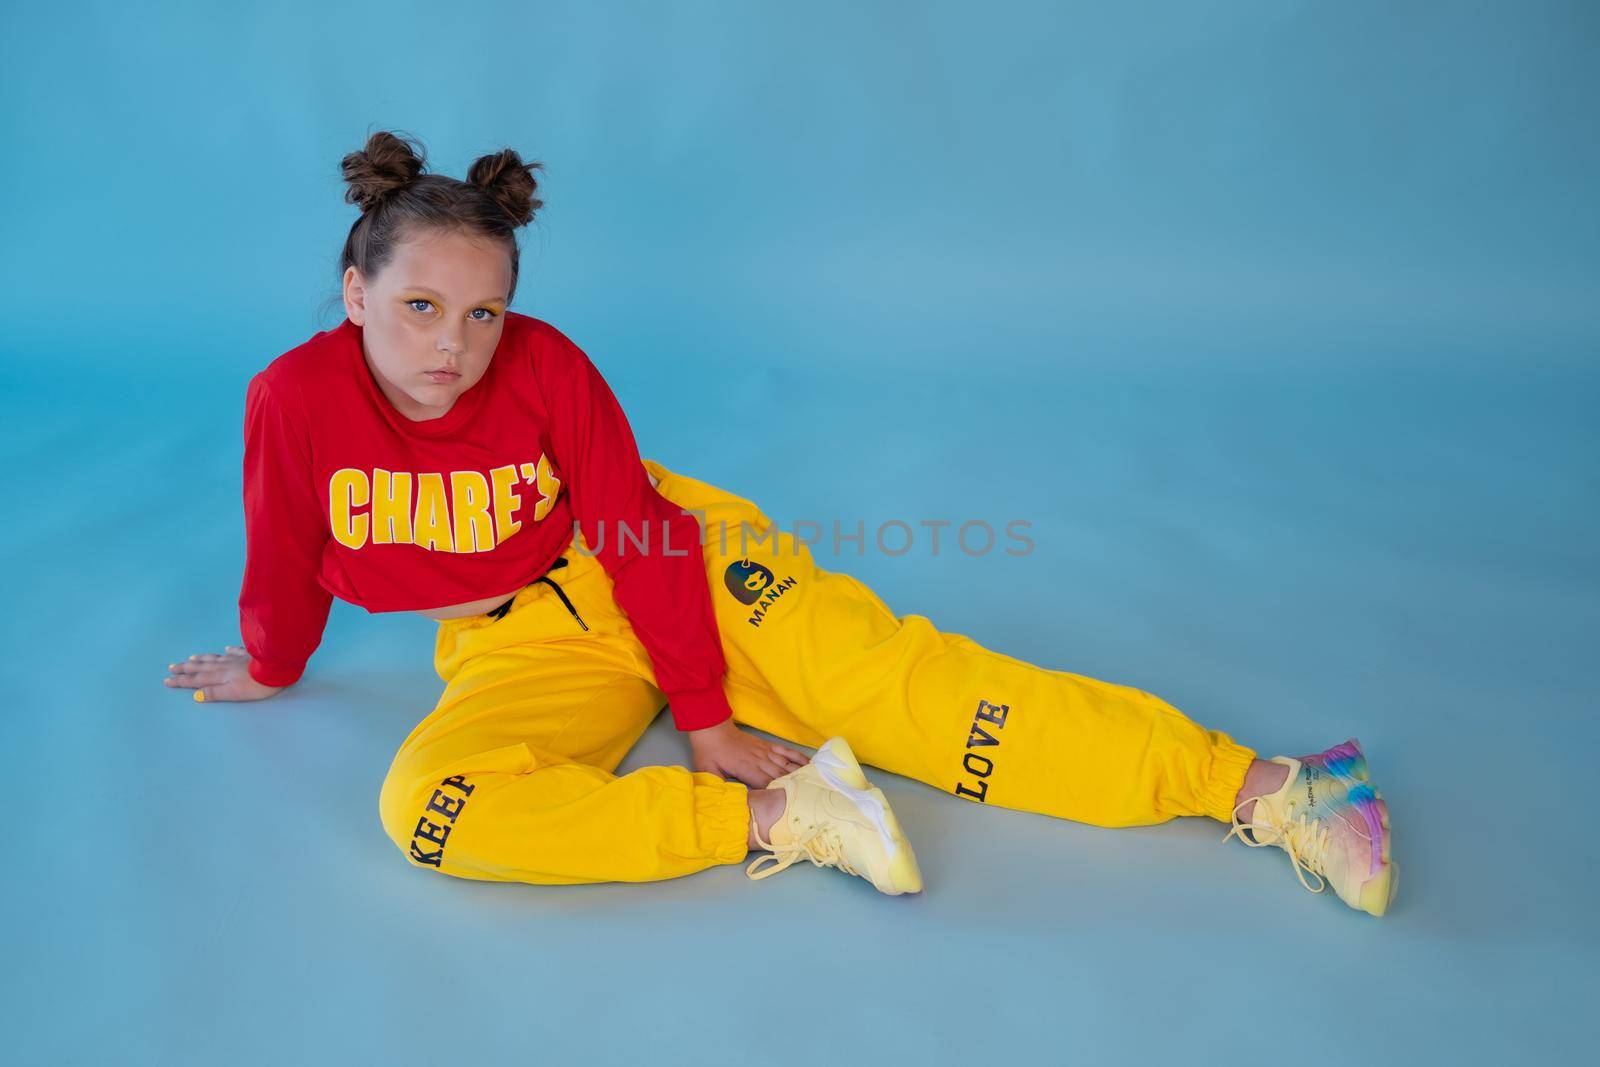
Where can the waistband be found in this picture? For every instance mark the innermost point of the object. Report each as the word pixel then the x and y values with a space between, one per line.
pixel 499 612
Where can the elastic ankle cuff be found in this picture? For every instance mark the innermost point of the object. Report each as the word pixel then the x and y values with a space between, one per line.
pixel 724 807
pixel 1229 762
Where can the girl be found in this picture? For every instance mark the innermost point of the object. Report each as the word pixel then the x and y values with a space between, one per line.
pixel 437 452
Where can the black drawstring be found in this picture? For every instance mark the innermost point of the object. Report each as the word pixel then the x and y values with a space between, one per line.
pixel 561 561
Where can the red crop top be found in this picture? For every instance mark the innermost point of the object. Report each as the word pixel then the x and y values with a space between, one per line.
pixel 344 496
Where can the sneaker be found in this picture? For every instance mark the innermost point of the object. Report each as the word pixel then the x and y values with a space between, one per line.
pixel 834 818
pixel 1332 823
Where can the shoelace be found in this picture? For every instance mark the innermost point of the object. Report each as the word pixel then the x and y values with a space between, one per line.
pixel 820 844
pixel 1305 840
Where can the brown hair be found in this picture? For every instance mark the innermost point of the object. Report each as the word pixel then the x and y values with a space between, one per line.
pixel 397 199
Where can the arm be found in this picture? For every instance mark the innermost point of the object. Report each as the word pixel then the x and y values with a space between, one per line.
pixel 665 596
pixel 282 608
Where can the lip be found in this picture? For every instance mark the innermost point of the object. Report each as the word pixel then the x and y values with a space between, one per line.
pixel 442 375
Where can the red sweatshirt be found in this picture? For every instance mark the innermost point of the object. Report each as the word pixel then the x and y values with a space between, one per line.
pixel 344 496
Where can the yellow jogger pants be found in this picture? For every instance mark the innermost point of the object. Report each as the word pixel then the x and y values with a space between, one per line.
pixel 510 778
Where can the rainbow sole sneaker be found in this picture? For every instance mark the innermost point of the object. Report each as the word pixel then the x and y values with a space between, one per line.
pixel 834 818
pixel 1332 823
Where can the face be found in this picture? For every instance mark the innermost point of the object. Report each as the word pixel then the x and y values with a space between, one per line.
pixel 431 318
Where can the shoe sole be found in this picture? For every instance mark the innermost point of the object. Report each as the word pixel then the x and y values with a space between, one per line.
pixel 904 875
pixel 1349 762
pixel 843 772
pixel 1378 894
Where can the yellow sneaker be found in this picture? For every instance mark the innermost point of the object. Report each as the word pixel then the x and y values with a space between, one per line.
pixel 834 818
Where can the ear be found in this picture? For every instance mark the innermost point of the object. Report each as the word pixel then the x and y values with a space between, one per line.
pixel 355 296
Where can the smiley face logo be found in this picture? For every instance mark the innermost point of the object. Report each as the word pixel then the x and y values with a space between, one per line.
pixel 747 580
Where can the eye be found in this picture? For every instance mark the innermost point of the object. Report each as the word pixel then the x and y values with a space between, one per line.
pixel 490 315
pixel 419 301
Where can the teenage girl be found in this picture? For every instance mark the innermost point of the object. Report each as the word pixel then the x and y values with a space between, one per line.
pixel 438 452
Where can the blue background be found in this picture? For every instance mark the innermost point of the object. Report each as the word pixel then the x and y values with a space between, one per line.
pixel 1278 322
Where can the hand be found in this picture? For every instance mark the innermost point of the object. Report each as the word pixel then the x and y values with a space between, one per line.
pixel 224 677
pixel 731 752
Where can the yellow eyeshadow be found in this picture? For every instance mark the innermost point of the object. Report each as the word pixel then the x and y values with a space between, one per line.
pixel 494 305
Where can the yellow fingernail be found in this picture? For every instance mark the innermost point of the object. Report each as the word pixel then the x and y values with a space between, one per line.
pixel 172 666
pixel 200 695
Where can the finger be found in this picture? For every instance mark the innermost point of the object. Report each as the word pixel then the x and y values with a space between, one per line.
pixel 201 672
pixel 752 772
pixel 784 754
pixel 204 657
pixel 232 648
pixel 197 678
pixel 182 683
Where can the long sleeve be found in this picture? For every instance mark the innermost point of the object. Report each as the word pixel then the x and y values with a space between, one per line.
pixel 282 608
pixel 661 587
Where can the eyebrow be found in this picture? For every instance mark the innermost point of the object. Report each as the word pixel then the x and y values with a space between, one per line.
pixel 432 292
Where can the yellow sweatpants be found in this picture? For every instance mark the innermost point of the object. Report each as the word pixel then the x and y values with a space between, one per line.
pixel 510 778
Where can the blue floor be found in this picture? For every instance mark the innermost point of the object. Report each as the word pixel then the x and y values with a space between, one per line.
pixel 1404 558
pixel 1276 321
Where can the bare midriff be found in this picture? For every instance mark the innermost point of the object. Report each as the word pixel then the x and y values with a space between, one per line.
pixel 461 611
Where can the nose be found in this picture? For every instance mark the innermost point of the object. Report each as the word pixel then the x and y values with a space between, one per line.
pixel 450 345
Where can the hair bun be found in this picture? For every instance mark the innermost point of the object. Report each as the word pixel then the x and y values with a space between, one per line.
pixel 387 163
pixel 509 181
